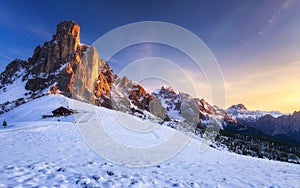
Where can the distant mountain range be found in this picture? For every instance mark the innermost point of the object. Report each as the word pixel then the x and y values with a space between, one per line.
pixel 283 126
pixel 65 66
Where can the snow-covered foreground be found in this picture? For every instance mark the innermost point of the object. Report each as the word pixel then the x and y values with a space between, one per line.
pixel 38 152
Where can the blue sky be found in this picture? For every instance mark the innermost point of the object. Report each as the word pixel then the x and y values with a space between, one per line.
pixel 256 42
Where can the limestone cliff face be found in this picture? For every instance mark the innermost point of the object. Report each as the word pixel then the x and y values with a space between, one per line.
pixel 65 66
pixel 93 79
pixel 56 61
pixel 105 82
pixel 63 48
pixel 70 67
pixel 86 75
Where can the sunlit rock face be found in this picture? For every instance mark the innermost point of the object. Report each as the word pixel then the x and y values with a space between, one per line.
pixel 63 65
pixel 128 96
pixel 139 97
pixel 156 108
pixel 56 61
pixel 86 75
pixel 75 69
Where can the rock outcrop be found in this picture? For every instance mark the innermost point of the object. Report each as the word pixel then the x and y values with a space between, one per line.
pixel 189 109
pixel 194 111
pixel 13 71
pixel 76 71
pixel 139 97
pixel 56 61
pixel 169 97
pixel 63 65
pixel 156 108
pixel 86 76
pixel 128 96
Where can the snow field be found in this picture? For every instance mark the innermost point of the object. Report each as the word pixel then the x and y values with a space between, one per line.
pixel 37 152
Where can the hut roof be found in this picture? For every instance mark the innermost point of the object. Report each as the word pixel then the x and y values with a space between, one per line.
pixel 62 111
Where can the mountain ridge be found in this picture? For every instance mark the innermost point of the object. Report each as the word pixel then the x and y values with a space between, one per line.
pixel 64 65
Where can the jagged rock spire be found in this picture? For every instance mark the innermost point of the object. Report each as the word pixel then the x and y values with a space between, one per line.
pixel 66 28
pixel 57 59
pixel 63 65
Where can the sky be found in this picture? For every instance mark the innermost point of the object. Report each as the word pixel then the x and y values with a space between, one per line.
pixel 255 42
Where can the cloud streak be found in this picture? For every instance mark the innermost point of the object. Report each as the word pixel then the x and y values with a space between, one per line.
pixel 9 19
pixel 276 16
pixel 39 31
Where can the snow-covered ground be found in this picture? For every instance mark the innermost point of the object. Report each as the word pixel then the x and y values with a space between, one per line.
pixel 52 152
pixel 13 91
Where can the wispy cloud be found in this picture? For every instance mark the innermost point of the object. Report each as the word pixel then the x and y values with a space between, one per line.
pixel 276 16
pixel 295 63
pixel 9 19
pixel 38 30
pixel 16 52
pixel 130 54
pixel 7 57
pixel 249 44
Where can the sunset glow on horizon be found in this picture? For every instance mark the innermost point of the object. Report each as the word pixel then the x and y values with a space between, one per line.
pixel 271 89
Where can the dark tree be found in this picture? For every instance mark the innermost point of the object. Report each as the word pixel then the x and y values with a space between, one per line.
pixel 4 123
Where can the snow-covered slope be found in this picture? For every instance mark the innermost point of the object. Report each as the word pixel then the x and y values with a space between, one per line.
pixel 37 152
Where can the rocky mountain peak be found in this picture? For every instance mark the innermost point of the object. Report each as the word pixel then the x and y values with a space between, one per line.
pixel 167 89
pixel 56 61
pixel 66 28
pixel 238 107
pixel 69 30
pixel 166 92
pixel 63 65
pixel 64 47
pixel 296 113
pixel 55 64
